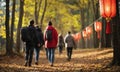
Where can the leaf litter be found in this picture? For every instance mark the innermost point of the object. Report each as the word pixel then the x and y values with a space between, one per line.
pixel 83 60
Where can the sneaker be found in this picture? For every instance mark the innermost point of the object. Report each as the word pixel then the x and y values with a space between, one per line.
pixel 68 59
pixel 29 65
pixel 25 64
pixel 51 64
pixel 36 63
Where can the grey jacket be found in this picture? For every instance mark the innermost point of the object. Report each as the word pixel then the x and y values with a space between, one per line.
pixel 69 41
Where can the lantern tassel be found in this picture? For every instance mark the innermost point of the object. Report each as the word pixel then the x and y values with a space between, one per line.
pixel 108 29
pixel 98 34
pixel 89 36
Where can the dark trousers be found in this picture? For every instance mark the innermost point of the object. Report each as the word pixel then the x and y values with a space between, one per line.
pixel 60 48
pixel 69 52
pixel 29 54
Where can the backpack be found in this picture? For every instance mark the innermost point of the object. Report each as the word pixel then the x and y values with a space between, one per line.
pixel 49 35
pixel 25 35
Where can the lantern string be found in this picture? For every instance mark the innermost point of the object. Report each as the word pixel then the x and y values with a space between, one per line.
pixel 93 22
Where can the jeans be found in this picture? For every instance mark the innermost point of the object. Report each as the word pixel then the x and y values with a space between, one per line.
pixel 29 54
pixel 69 52
pixel 51 52
pixel 37 51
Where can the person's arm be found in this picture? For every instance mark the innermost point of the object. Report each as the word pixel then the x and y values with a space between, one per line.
pixel 37 37
pixel 65 40
pixel 42 39
pixel 56 36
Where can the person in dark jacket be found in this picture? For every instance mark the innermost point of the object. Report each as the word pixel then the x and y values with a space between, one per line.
pixel 60 43
pixel 41 40
pixel 52 44
pixel 30 44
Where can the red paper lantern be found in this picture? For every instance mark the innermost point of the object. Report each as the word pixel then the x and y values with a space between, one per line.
pixel 108 10
pixel 78 35
pixel 84 33
pixel 98 28
pixel 74 36
pixel 88 30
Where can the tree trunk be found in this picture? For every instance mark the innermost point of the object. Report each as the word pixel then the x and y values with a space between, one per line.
pixel 116 36
pixel 83 26
pixel 103 35
pixel 8 49
pixel 96 16
pixel 12 24
pixel 42 18
pixel 88 22
pixel 19 26
pixel 37 10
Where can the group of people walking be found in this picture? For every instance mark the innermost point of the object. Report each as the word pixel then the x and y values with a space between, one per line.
pixel 50 40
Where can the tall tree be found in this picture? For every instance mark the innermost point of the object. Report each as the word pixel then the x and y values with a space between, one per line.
pixel 95 17
pixel 19 25
pixel 12 24
pixel 37 10
pixel 8 49
pixel 82 13
pixel 116 36
pixel 42 18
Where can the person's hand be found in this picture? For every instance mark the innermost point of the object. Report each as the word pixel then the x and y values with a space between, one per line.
pixel 43 46
pixel 24 42
pixel 38 44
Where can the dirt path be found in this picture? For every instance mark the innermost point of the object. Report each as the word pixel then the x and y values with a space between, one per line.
pixel 83 60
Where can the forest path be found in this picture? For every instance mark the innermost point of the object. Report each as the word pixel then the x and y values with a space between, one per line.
pixel 83 60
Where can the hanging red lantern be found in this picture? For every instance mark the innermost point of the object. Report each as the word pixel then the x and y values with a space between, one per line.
pixel 98 28
pixel 74 36
pixel 108 10
pixel 84 33
pixel 88 31
pixel 78 35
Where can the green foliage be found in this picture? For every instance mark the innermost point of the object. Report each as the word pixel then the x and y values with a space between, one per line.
pixel 65 14
pixel 29 8
pixel 62 16
pixel 2 32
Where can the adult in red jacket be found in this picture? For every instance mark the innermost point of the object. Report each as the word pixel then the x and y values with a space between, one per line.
pixel 50 45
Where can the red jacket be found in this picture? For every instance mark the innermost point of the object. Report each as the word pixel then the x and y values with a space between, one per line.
pixel 54 41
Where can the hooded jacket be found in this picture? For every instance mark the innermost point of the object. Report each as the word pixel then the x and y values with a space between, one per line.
pixel 54 41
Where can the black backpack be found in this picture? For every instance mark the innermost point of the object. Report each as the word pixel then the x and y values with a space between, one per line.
pixel 49 35
pixel 25 34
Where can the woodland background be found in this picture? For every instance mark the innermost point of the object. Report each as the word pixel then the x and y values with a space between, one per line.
pixel 73 15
